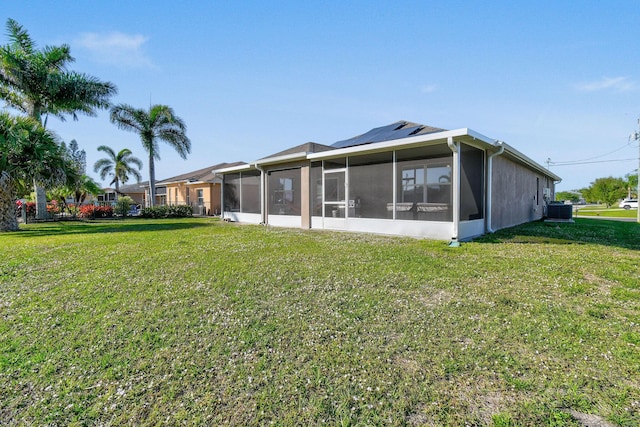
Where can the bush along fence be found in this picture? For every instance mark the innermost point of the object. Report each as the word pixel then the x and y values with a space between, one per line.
pixel 102 211
pixel 173 211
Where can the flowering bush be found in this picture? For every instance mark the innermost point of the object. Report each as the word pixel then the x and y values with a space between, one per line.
pixel 53 207
pixel 91 211
pixel 31 208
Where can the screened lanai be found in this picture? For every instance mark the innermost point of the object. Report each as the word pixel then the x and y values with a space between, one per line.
pixel 427 185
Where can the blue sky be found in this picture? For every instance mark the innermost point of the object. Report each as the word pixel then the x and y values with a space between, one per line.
pixel 554 79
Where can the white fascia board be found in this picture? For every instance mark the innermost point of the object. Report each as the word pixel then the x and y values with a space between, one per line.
pixel 181 181
pixel 197 182
pixel 281 159
pixel 401 143
pixel 238 168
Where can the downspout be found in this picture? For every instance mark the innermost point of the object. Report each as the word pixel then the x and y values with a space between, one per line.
pixel 490 184
pixel 263 188
pixel 456 191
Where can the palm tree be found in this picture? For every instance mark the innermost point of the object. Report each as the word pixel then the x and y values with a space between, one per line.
pixel 28 153
pixel 158 124
pixel 118 165
pixel 37 83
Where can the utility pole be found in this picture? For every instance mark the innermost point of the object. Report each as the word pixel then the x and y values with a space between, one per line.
pixel 636 137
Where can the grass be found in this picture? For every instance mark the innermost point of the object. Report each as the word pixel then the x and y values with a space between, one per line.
pixel 601 210
pixel 199 322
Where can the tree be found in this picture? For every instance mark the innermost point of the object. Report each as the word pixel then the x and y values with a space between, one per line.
pixel 632 184
pixel 28 153
pixel 606 190
pixel 568 195
pixel 118 165
pixel 78 187
pixel 158 124
pixel 85 186
pixel 38 84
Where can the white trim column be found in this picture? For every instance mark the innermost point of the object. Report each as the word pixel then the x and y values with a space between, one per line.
pixel 455 148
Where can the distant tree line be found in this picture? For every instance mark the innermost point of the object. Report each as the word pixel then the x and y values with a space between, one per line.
pixel 607 190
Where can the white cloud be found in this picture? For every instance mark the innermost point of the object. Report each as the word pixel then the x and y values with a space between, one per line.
pixel 428 88
pixel 115 48
pixel 617 84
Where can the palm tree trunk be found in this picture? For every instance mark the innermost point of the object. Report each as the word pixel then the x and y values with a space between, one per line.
pixel 8 220
pixel 41 201
pixel 41 195
pixel 152 181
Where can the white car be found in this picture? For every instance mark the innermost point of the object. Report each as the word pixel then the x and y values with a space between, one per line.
pixel 629 203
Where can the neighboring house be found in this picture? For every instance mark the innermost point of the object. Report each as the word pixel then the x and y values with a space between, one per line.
pixel 199 189
pixel 108 195
pixel 401 179
pixel 136 191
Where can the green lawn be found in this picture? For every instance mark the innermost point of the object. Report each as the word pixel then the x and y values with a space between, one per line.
pixel 199 322
pixel 613 212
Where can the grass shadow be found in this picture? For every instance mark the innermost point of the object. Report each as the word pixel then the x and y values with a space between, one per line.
pixel 108 226
pixel 582 231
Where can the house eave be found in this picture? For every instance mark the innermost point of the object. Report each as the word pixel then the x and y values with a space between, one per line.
pixel 281 159
pixel 509 150
pixel 436 137
pixel 238 168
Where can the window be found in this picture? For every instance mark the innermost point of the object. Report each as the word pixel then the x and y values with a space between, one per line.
pixel 316 188
pixel 423 184
pixel 231 191
pixel 371 185
pixel 250 194
pixel 188 198
pixel 284 192
pixel 200 193
pixel 471 183
pixel 413 188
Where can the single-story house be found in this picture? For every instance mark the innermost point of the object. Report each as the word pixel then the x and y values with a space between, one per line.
pixel 135 191
pixel 402 179
pixel 199 189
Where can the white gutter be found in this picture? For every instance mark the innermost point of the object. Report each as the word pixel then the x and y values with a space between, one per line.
pixel 456 190
pixel 490 183
pixel 232 169
pixel 302 155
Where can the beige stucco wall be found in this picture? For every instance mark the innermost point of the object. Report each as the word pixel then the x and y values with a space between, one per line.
pixel 516 198
pixel 210 192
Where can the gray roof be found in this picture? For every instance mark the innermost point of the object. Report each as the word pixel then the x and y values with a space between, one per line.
pixel 134 188
pixel 397 130
pixel 307 147
pixel 200 175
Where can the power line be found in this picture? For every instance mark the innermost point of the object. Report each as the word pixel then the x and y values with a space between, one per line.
pixel 583 161
pixel 587 163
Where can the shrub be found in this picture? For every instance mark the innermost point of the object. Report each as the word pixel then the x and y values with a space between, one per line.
pixel 30 206
pixel 91 211
pixel 176 211
pixel 123 205
pixel 53 207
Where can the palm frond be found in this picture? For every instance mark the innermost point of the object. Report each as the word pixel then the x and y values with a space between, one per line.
pixel 19 36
